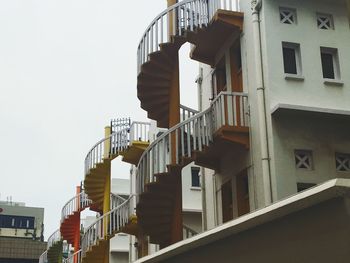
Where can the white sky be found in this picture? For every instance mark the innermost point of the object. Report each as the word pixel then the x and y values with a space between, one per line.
pixel 66 68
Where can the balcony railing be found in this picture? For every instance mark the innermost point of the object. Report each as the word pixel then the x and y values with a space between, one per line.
pixel 139 131
pixel 186 112
pixel 230 109
pixel 186 15
pixel 188 232
pixel 194 134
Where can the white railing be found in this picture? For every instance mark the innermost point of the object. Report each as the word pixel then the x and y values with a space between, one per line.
pixel 189 135
pixel 75 204
pixel 115 143
pixel 214 5
pixel 186 15
pixel 43 257
pixel 179 142
pixel 230 108
pixel 186 112
pixel 103 149
pixel 116 201
pixel 73 258
pixel 120 124
pixel 53 239
pixel 188 232
pixel 139 131
pixel 107 225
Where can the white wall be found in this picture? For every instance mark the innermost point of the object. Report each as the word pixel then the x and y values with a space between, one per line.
pixel 323 135
pixel 311 91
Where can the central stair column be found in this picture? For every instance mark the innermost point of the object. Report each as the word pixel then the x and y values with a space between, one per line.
pixel 171 19
pixel 76 243
pixel 174 119
pixel 107 189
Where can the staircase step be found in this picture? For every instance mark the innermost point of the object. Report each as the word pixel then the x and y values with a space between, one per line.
pixel 163 57
pixel 158 188
pixel 147 72
pixel 166 220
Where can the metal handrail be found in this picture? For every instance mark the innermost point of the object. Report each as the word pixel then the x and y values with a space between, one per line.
pixel 75 204
pixel 191 135
pixel 107 225
pixel 186 15
pixel 73 258
pixel 98 152
pixel 54 238
pixel 43 257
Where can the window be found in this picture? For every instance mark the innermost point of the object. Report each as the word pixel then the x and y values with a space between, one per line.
pixel 195 177
pixel 325 21
pixel 303 159
pixel 342 162
pixel 22 222
pixel 330 63
pixel 291 58
pixel 288 16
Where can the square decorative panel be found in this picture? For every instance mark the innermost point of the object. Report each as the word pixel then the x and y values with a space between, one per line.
pixel 288 16
pixel 342 162
pixel 303 159
pixel 325 21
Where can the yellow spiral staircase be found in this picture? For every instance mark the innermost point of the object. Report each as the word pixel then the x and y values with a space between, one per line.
pixel 125 139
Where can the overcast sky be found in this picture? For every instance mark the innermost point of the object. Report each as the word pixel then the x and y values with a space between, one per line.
pixel 66 68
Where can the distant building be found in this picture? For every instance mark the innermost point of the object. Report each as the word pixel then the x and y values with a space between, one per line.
pixel 21 232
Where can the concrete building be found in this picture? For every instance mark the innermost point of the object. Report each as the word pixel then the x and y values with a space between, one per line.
pixel 21 232
pixel 273 122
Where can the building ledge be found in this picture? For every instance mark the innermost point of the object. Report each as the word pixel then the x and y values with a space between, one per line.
pixel 333 82
pixel 283 107
pixel 294 77
pixel 324 192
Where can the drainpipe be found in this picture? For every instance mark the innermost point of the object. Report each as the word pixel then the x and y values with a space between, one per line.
pixel 265 158
pixel 348 4
pixel 199 82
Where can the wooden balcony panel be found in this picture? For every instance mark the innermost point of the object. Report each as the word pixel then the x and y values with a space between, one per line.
pixel 224 25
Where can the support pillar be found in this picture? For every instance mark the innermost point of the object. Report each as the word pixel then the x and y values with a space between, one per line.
pixel 171 19
pixel 348 5
pixel 175 173
pixel 107 189
pixel 142 245
pixel 76 244
pixel 177 224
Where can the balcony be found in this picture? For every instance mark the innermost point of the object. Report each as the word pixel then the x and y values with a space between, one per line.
pixel 200 138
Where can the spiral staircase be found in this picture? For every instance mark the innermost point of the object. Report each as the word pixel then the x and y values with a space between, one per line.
pixel 125 139
pixel 53 253
pixel 95 239
pixel 73 258
pixel 70 218
pixel 202 138
pixel 195 21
